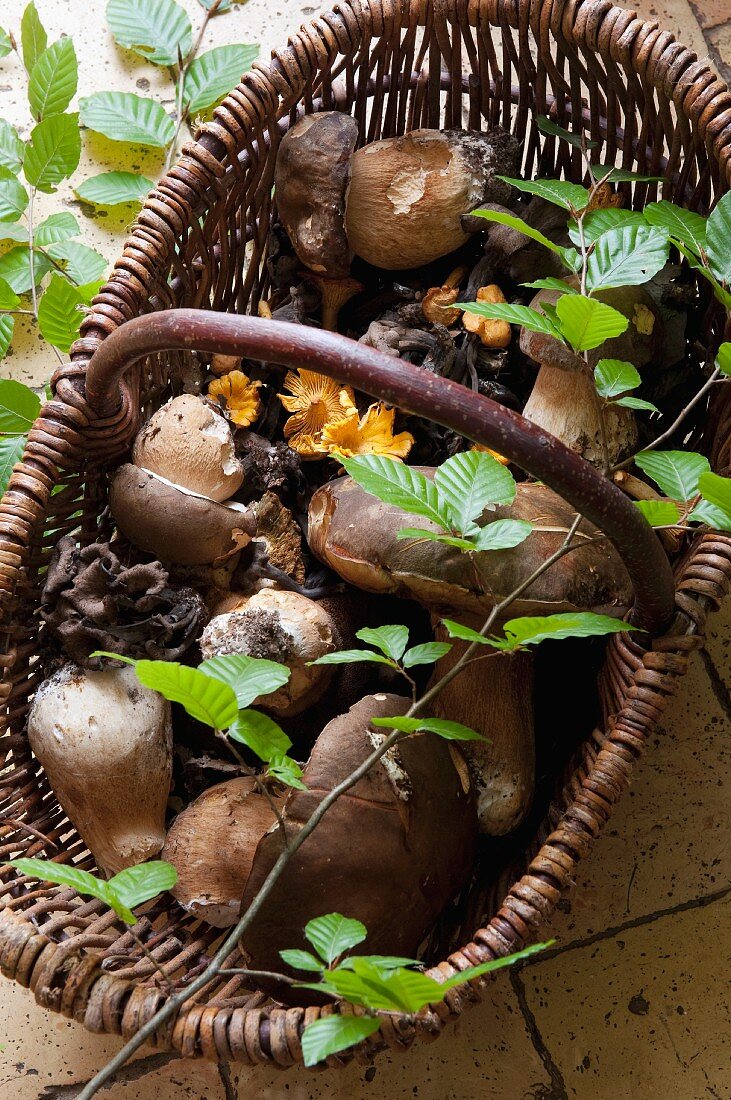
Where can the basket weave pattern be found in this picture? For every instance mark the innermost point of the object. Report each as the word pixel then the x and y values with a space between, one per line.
pixel 200 241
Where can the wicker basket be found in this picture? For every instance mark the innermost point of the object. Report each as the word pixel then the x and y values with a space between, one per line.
pixel 200 242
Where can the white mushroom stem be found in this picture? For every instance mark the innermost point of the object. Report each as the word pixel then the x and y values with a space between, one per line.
pixel 494 696
pixel 564 403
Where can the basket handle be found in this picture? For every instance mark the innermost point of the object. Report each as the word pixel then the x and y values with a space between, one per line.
pixel 416 391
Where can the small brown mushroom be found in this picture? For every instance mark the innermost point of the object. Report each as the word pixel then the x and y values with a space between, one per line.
pixel 356 535
pixel 334 293
pixel 310 182
pixel 189 443
pixel 492 333
pixel 392 852
pixel 174 524
pixel 279 626
pixel 212 844
pixel 407 194
pixel 105 743
pixel 436 303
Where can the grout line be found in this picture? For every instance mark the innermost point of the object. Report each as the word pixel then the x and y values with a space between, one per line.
pixel 558 1085
pixel 717 683
pixel 636 922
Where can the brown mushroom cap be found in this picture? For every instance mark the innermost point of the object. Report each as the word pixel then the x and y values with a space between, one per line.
pixel 174 525
pixel 189 443
pixel 391 852
pixel 407 194
pixel 355 534
pixel 310 181
pixel 212 844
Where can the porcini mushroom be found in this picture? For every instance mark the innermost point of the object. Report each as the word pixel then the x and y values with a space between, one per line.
pixel 212 844
pixel 407 194
pixel 189 443
pixel 279 626
pixel 564 400
pixel 392 851
pixel 310 184
pixel 356 535
pixel 105 743
pixel 173 523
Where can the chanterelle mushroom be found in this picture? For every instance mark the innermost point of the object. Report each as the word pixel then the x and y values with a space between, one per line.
pixel 355 534
pixel 310 182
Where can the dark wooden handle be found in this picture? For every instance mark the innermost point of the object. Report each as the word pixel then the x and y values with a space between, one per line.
pixel 415 391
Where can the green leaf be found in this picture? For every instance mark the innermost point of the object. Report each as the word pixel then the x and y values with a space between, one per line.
pixel 575 138
pixel 571 196
pixel 465 633
pixel 450 731
pixel 53 152
pixel 15 268
pixel 114 188
pixel 659 513
pixel 250 677
pixel 124 116
pixel 610 174
pixel 717 491
pixel 637 403
pixel 685 225
pixel 492 965
pixel 19 407
pixel 435 536
pixel 718 241
pixel 391 640
pixel 8 298
pixel 626 256
pixel 53 80
pixel 568 256
pixel 598 222
pixel 57 227
pixel 135 885
pixel 13 197
pixel 332 1034
pixel 332 935
pixel 260 733
pixel 287 771
pixel 614 377
pixel 531 630
pixel 426 654
pixel 6 46
pixel 351 657
pixel 398 484
pixel 82 265
pixel 33 38
pixel 514 315
pixel 723 359
pixel 382 964
pixel 11 148
pixel 551 284
pixel 399 722
pixel 587 323
pixel 11 446
pixel 709 514
pixel 676 472
pixel 302 960
pixel 502 534
pixel 469 482
pixel 206 699
pixel 222 7
pixel 82 881
pixel 212 75
pixel 59 316
pixel 13 232
pixel 158 30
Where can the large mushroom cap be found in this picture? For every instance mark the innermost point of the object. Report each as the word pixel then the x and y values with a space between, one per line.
pixel 391 852
pixel 311 179
pixel 174 525
pixel 189 442
pixel 407 194
pixel 355 534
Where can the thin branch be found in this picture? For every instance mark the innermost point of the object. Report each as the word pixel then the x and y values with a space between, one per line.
pixel 31 254
pixel 181 113
pixel 261 785
pixel 152 960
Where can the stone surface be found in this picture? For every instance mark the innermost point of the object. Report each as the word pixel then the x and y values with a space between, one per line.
pixel 634 1002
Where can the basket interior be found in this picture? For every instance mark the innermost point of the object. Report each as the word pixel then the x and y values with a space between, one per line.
pixel 201 241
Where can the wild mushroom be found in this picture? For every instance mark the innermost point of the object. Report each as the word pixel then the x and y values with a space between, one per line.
pixel 174 524
pixel 212 844
pixel 564 400
pixel 492 333
pixel 314 401
pixel 392 852
pixel 283 627
pixel 334 293
pixel 92 601
pixel 310 184
pixel 371 433
pixel 436 303
pixel 189 443
pixel 105 743
pixel 407 194
pixel 239 396
pixel 356 535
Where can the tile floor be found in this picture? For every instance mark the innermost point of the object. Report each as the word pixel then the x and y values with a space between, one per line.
pixel 634 999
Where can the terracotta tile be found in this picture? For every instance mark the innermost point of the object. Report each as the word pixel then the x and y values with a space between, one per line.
pixel 711 13
pixel 643 1015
